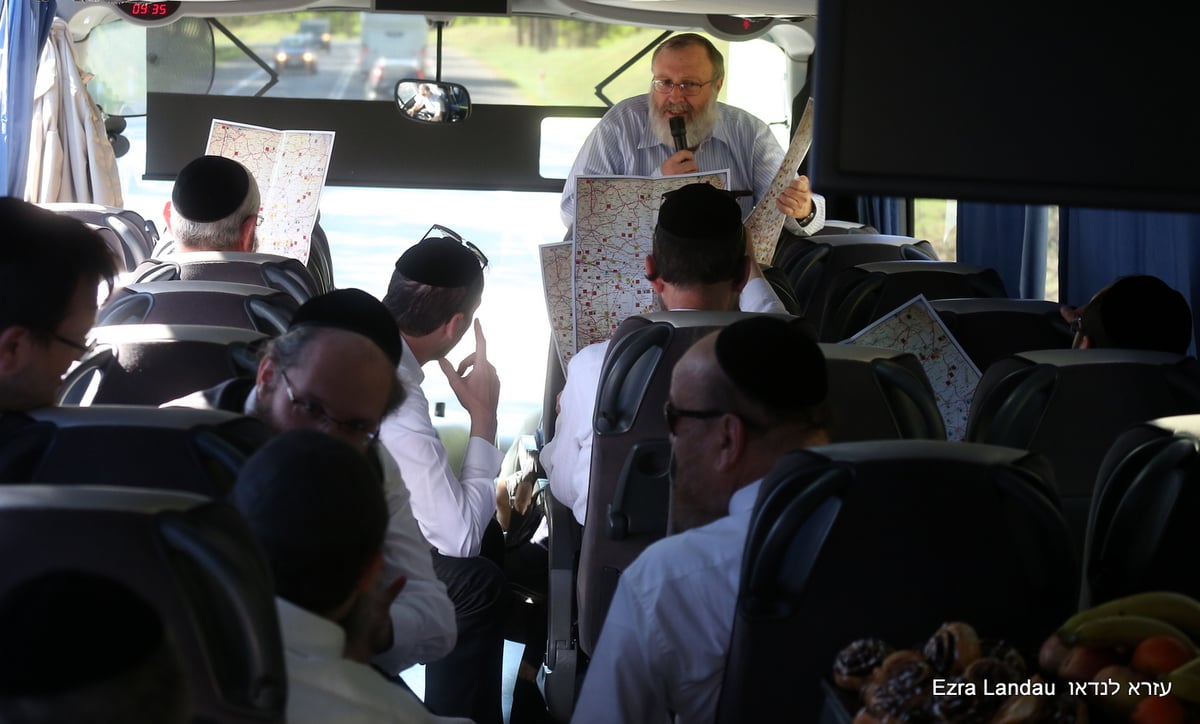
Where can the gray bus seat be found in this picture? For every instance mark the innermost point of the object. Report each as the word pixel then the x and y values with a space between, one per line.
pixel 890 540
pixel 992 328
pixel 1070 405
pixel 222 304
pixel 136 235
pixel 267 270
pixel 861 294
pixel 194 560
pixel 149 364
pixel 1142 524
pixel 190 450
pixel 811 264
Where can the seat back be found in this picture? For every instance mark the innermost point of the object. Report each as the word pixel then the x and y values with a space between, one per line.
pixel 320 260
pixel 1070 405
pixel 889 540
pixel 1142 525
pixel 629 493
pixel 811 264
pixel 194 560
pixel 136 235
pixel 861 294
pixel 149 364
pixel 274 271
pixel 992 328
pixel 222 304
pixel 879 394
pixel 191 450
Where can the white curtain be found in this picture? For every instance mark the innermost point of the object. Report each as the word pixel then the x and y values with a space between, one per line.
pixel 24 25
pixel 70 157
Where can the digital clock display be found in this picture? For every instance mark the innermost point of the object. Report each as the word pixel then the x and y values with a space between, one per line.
pixel 160 10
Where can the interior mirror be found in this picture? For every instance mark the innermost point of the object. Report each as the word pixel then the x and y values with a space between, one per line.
pixel 432 102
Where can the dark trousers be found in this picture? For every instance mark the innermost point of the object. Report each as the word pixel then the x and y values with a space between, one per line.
pixel 466 682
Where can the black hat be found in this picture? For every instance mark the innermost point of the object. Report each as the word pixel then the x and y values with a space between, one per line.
pixel 1139 312
pixel 354 311
pixel 772 362
pixel 317 550
pixel 210 188
pixel 440 261
pixel 700 211
pixel 106 626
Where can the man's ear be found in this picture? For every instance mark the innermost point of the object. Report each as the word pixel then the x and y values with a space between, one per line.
pixel 13 341
pixel 266 372
pixel 732 442
pixel 167 214
pixel 455 327
pixel 652 274
pixel 246 237
pixel 1085 342
pixel 747 270
pixel 370 574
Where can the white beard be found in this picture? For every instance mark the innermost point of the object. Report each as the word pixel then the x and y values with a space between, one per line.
pixel 699 127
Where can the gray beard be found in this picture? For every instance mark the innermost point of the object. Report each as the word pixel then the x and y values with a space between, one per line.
pixel 699 128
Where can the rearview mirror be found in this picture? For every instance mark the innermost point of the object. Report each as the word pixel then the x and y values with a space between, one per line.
pixel 432 102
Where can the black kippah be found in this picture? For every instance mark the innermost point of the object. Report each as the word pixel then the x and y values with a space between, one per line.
pixel 210 188
pixel 67 629
pixel 700 211
pixel 440 261
pixel 354 311
pixel 772 362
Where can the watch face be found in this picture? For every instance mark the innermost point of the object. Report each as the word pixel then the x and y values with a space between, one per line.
pixel 159 10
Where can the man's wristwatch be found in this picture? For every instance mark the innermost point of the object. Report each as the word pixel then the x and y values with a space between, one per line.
pixel 811 215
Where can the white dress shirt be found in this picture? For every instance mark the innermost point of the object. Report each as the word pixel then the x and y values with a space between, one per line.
pixel 664 643
pixel 423 622
pixel 622 144
pixel 451 511
pixel 567 458
pixel 323 687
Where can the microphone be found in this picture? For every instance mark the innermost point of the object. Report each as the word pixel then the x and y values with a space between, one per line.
pixel 678 132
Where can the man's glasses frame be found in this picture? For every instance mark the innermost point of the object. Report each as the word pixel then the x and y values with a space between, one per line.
pixel 688 87
pixel 452 234
pixel 671 414
pixel 83 349
pixel 321 416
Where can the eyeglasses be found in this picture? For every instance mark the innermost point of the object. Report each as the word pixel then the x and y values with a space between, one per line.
pixel 365 432
pixel 688 87
pixel 1077 324
pixel 672 414
pixel 83 349
pixel 258 219
pixel 451 233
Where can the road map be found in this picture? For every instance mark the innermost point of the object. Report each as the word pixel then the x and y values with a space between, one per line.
pixel 914 327
pixel 614 226
pixel 290 168
pixel 765 221
pixel 560 306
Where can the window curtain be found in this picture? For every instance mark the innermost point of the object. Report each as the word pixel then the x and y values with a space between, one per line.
pixel 24 26
pixel 885 214
pixel 1009 238
pixel 1099 245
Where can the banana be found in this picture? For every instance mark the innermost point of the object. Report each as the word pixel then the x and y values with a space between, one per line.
pixel 1185 681
pixel 1182 612
pixel 1123 631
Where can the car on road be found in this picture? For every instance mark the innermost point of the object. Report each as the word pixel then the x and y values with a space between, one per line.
pixel 318 28
pixel 296 51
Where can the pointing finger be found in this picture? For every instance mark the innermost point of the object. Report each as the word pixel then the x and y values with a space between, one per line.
pixel 480 343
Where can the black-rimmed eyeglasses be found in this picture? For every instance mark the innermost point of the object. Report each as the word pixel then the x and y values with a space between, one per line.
pixel 364 432
pixel 687 87
pixel 672 414
pixel 452 234
pixel 1077 324
pixel 82 348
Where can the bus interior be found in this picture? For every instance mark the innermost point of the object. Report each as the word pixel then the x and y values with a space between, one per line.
pixel 1044 150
